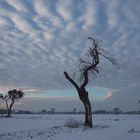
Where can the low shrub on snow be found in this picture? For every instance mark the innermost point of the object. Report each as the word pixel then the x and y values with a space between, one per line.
pixel 72 123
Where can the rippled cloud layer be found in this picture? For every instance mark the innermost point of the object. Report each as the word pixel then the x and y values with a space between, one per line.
pixel 39 39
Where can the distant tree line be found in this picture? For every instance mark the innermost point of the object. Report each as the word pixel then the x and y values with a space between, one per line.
pixel 3 111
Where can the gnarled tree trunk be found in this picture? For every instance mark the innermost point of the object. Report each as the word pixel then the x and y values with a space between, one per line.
pixel 83 95
pixel 9 107
pixel 88 111
pixel 9 113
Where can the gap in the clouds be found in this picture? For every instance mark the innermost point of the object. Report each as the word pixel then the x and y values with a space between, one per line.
pixel 97 93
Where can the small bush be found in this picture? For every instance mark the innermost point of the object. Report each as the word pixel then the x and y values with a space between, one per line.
pixel 71 123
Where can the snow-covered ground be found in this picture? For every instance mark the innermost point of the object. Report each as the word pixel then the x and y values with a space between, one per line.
pixel 55 127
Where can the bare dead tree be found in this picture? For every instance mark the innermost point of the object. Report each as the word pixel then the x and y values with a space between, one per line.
pixel 10 98
pixel 86 66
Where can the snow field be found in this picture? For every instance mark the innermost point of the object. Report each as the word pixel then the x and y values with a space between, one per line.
pixel 58 127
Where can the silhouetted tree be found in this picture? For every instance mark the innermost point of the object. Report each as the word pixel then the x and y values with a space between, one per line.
pixel 43 111
pixel 74 110
pixel 116 110
pixel 86 66
pixel 52 110
pixel 10 98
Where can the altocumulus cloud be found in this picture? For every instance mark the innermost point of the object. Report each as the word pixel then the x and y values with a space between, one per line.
pixel 39 39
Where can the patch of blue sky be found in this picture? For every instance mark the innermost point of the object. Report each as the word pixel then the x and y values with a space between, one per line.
pixel 95 93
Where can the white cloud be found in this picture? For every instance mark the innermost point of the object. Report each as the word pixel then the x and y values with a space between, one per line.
pixel 18 5
pixel 70 27
pixel 3 21
pixel 113 14
pixel 23 25
pixel 43 10
pixel 64 9
pixel 40 7
pixel 48 35
pixel 90 15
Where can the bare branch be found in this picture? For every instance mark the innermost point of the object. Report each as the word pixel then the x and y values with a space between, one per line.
pixel 71 80
pixel 90 64
pixel 112 60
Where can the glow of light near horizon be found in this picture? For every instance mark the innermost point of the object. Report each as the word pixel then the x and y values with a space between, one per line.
pixel 96 93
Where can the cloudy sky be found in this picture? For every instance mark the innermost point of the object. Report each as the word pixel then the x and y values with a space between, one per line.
pixel 39 39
